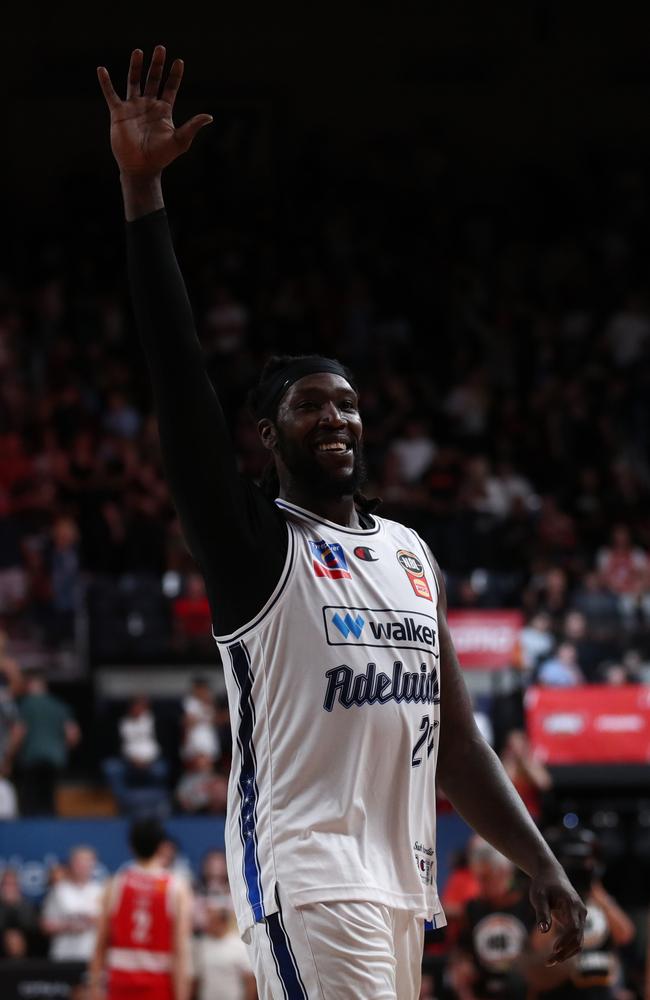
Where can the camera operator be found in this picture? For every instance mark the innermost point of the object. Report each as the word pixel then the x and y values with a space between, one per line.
pixel 595 972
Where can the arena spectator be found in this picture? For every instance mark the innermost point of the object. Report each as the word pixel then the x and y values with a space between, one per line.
pixel 191 611
pixel 10 689
pixel 493 938
pixel 220 960
pixel 46 732
pixel 199 722
pixel 19 932
pixel 625 571
pixel 13 575
pixel 537 641
pixel 528 774
pixel 137 777
pixel 561 669
pixel 596 602
pixel 66 580
pixel 201 788
pixel 590 649
pixel 628 330
pixel 212 881
pixel 71 909
pixel 548 593
pixel 414 450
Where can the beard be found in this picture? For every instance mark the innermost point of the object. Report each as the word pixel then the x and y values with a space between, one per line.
pixel 306 470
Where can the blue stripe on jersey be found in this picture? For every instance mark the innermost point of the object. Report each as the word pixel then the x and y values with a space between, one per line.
pixel 285 962
pixel 247 784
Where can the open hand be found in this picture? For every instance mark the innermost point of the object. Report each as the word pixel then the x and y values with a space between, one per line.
pixel 144 138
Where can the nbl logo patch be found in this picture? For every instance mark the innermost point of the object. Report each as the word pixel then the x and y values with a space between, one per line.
pixel 414 569
pixel 329 560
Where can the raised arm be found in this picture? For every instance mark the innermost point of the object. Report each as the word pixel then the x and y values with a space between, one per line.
pixel 476 784
pixel 224 518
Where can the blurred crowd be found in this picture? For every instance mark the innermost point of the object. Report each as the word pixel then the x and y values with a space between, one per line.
pixel 504 363
pixel 490 948
pixel 503 355
pixel 153 763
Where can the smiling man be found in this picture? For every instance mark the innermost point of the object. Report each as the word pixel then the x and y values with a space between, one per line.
pixel 344 689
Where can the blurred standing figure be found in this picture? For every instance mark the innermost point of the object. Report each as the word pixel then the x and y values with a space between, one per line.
pixel 18 919
pixel 199 721
pixel 46 731
pixel 10 687
pixel 221 965
pixel 71 909
pixel 494 932
pixel 144 927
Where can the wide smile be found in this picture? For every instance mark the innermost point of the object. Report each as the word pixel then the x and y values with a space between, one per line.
pixel 334 447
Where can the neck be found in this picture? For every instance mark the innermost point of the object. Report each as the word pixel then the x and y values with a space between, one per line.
pixel 148 862
pixel 340 510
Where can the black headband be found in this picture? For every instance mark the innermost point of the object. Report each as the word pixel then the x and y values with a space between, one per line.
pixel 272 391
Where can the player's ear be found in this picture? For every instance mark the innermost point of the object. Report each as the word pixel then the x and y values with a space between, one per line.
pixel 268 433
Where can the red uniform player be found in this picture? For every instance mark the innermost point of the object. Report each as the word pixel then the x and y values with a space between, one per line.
pixel 144 928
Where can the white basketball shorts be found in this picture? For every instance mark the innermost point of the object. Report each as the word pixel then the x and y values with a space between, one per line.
pixel 337 951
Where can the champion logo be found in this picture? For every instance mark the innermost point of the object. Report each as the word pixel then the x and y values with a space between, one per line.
pixel 349 625
pixel 365 554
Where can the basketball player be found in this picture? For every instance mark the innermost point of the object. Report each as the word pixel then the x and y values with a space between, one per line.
pixel 144 929
pixel 343 684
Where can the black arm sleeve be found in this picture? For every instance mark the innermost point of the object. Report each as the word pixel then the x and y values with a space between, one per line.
pixel 236 535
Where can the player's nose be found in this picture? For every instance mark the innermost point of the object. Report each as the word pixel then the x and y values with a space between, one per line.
pixel 331 415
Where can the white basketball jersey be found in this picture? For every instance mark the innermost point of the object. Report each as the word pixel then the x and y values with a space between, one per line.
pixel 335 707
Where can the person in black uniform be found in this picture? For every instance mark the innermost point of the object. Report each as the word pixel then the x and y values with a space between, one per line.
pixel 595 973
pixel 494 932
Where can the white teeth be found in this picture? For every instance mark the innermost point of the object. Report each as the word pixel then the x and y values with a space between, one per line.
pixel 333 446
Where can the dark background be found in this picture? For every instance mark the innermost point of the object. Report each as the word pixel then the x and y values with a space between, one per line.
pixel 404 92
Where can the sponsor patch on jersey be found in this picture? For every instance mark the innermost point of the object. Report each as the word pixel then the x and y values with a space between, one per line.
pixel 329 560
pixel 412 566
pixel 425 861
pixel 382 627
pixel 365 554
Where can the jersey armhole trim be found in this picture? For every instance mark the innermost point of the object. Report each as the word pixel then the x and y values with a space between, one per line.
pixel 273 599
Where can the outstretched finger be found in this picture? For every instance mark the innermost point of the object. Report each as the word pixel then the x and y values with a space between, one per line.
pixel 135 73
pixel 154 76
pixel 108 89
pixel 173 82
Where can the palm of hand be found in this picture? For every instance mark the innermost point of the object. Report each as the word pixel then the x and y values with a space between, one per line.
pixel 143 136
